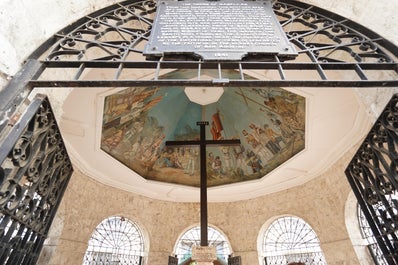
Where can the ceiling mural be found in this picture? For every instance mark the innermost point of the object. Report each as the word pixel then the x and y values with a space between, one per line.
pixel 270 123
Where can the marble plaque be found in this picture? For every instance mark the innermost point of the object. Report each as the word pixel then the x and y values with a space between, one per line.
pixel 203 254
pixel 217 30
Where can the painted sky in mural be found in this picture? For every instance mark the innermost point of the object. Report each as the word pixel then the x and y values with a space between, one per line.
pixel 270 123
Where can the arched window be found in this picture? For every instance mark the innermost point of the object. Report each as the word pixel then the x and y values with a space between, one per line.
pixel 290 239
pixel 191 237
pixel 116 240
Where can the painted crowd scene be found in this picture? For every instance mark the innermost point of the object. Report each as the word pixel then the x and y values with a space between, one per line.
pixel 137 122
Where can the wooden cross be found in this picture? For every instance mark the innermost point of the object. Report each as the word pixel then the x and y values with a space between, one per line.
pixel 202 143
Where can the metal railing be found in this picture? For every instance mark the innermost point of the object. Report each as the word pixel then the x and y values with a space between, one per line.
pixel 106 258
pixel 314 258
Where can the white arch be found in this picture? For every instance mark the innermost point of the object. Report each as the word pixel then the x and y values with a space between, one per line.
pixel 260 237
pixel 353 229
pixel 116 237
pixel 197 238
pixel 314 246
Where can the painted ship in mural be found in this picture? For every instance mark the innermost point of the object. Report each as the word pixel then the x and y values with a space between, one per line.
pixel 270 123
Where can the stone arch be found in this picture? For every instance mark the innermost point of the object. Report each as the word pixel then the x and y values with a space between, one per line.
pixel 353 229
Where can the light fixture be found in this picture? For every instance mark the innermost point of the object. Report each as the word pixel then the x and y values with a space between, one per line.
pixel 204 95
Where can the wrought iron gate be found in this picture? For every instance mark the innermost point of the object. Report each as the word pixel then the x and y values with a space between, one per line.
pixel 373 176
pixel 34 172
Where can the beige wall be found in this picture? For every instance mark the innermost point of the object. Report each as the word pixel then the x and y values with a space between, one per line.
pixel 86 203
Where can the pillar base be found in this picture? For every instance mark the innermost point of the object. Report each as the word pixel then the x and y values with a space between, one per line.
pixel 204 255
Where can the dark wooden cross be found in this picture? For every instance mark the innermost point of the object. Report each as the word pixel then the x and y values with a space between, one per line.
pixel 202 143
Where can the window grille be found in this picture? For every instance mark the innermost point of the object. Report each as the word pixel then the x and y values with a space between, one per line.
pixel 116 240
pixel 290 239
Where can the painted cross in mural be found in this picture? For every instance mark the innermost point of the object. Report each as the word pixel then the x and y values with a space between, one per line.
pixel 269 122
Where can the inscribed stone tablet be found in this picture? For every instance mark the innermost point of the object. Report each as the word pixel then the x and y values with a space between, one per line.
pixel 204 253
pixel 217 30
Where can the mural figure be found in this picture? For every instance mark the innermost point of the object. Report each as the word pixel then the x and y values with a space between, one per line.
pixel 254 162
pixel 216 165
pixel 227 158
pixel 192 155
pixel 216 126
pixel 239 155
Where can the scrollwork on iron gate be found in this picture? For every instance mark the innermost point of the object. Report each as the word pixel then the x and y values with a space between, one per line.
pixel 34 172
pixel 333 50
pixel 373 176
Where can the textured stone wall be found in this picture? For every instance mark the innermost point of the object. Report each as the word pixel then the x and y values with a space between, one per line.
pixel 27 24
pixel 86 203
pixel 379 16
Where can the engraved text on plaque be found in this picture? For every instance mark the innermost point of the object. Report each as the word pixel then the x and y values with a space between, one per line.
pixel 217 30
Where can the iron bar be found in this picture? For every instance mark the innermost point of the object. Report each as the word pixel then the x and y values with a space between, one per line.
pixel 156 66
pixel 214 65
pixel 210 83
pixel 321 72
pixel 280 69
pixel 119 71
pixel 157 70
pixel 199 70
pixel 17 90
pixel 360 72
pixel 241 73
pixel 79 71
pixel 16 131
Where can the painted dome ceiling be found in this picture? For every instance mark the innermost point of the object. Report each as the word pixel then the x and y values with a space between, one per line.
pixel 137 122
